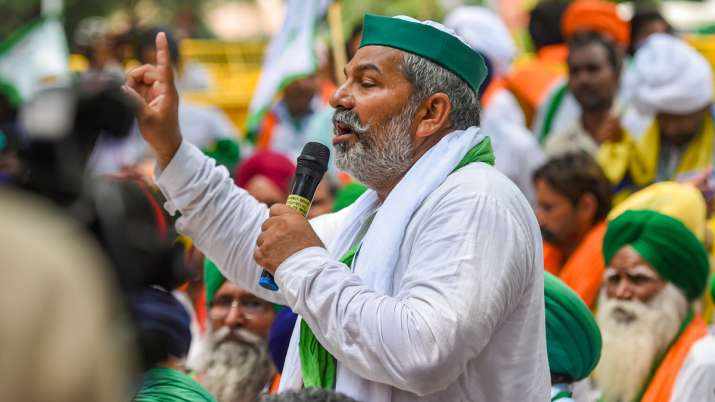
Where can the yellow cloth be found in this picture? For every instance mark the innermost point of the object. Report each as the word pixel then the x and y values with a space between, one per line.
pixel 677 200
pixel 639 160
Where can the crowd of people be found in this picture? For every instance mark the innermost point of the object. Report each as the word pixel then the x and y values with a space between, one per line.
pixel 602 189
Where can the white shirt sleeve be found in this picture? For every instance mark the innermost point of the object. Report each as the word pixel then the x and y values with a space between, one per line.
pixel 696 379
pixel 222 219
pixel 462 279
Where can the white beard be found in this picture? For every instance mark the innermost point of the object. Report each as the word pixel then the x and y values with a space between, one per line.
pixel 235 371
pixel 381 153
pixel 634 334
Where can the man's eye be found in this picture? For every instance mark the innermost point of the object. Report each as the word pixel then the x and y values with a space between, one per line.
pixel 613 279
pixel 222 301
pixel 638 279
pixel 367 84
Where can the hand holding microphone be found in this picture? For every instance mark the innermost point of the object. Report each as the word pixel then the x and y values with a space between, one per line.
pixel 286 231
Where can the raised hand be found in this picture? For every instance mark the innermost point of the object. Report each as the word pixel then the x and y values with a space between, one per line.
pixel 152 88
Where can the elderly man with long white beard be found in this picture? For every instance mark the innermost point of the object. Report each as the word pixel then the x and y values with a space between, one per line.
pixel 656 348
pixel 233 362
pixel 430 286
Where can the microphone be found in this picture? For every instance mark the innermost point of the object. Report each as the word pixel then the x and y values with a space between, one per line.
pixel 311 166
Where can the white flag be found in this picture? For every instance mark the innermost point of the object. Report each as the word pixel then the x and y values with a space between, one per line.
pixel 290 55
pixel 32 57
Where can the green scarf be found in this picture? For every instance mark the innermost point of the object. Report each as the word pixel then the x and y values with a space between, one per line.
pixel 317 364
pixel 166 384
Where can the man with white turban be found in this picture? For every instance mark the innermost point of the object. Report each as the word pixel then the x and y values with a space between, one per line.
pixel 486 33
pixel 674 83
pixel 517 152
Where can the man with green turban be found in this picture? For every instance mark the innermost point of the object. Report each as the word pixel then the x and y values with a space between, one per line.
pixel 656 347
pixel 233 361
pixel 573 340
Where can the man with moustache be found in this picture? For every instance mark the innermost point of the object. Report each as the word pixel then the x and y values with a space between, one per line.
pixel 234 363
pixel 656 347
pixel 673 83
pixel 594 66
pixel 573 198
pixel 430 286
pixel 561 109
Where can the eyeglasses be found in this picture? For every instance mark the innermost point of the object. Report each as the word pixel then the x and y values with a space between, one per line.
pixel 250 307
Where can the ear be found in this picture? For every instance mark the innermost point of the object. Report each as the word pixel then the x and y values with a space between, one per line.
pixel 433 115
pixel 587 206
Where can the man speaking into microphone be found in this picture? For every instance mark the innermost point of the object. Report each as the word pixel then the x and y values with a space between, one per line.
pixel 430 286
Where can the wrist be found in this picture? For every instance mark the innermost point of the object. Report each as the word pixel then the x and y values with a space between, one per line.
pixel 166 153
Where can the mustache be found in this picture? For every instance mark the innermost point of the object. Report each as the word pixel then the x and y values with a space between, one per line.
pixel 350 119
pixel 244 336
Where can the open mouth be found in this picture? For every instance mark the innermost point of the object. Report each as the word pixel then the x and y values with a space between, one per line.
pixel 342 132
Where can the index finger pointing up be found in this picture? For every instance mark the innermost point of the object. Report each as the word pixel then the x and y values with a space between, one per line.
pixel 163 58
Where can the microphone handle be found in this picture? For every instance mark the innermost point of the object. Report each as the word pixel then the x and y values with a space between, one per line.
pixel 300 199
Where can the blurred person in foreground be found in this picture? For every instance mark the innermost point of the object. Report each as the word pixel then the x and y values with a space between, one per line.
pixel 656 346
pixel 573 339
pixel 63 336
pixel 561 108
pixel 233 362
pixel 406 119
pixel 309 395
pixel 673 83
pixel 162 326
pixel 573 200
pixel 517 152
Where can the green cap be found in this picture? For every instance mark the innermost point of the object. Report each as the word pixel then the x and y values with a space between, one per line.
pixel 427 39
pixel 214 279
pixel 666 243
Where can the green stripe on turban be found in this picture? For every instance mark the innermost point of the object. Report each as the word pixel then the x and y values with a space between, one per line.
pixel 668 246
pixel 573 340
pixel 213 280
pixel 427 39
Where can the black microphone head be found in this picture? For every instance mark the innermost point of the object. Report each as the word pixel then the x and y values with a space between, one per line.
pixel 314 156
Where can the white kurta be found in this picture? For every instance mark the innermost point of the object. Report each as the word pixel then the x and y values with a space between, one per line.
pixel 465 321
pixel 696 379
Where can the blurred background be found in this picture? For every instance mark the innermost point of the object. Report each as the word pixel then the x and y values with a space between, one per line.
pixel 227 39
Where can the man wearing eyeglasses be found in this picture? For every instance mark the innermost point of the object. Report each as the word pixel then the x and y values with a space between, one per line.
pixel 234 363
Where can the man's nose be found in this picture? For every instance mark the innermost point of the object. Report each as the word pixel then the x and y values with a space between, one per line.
pixel 342 98
pixel 623 290
pixel 235 317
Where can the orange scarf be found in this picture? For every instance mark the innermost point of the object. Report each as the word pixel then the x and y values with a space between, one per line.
pixel 661 386
pixel 583 271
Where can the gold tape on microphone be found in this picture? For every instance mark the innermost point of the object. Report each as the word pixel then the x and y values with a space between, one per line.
pixel 300 204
